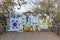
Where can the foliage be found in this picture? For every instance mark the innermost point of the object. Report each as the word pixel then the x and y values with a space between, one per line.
pixel 57 18
pixel 7 7
pixel 46 7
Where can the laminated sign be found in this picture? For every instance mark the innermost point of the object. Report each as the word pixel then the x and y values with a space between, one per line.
pixel 33 20
pixel 15 25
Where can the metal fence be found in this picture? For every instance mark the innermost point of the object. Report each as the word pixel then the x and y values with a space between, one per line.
pixel 56 28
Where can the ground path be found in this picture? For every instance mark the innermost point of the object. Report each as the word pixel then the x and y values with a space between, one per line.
pixel 29 36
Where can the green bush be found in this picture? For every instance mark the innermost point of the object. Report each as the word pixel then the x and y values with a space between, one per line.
pixel 57 18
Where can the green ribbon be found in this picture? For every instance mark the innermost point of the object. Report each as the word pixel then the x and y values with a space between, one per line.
pixel 8 26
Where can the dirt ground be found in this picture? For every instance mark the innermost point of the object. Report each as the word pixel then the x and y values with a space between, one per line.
pixel 29 36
